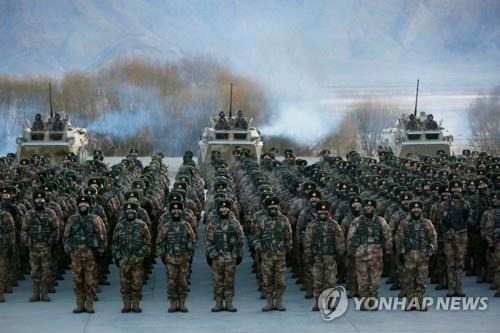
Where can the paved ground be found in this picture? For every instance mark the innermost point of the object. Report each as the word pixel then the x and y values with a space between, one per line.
pixel 18 315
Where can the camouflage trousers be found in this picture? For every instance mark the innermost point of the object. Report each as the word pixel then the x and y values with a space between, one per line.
pixel 368 274
pixel 324 272
pixel 177 280
pixel 4 269
pixel 454 250
pixel 40 262
pixel 351 281
pixel 478 248
pixel 84 277
pixel 416 266
pixel 437 265
pixel 223 277
pixel 307 278
pixel 496 265
pixel 131 277
pixel 273 269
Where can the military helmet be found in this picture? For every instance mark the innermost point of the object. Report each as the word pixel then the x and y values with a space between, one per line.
pixel 39 194
pixel 84 198
pixel 416 204
pixel 133 205
pixel 314 194
pixel 224 203
pixel 175 205
pixel 370 202
pixel 355 199
pixel 271 201
pixel 405 196
pixel 323 205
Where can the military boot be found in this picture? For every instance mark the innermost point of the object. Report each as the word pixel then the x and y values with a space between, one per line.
pixel 315 306
pixel 126 304
pixel 79 305
pixel 173 305
pixel 218 305
pixel 459 290
pixel 45 293
pixel 136 305
pixel 229 304
pixel 279 304
pixel 269 304
pixel 36 293
pixel 89 305
pixel 421 304
pixel 182 304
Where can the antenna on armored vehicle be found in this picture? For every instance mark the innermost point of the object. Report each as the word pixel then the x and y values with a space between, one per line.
pixel 231 102
pixel 50 101
pixel 416 100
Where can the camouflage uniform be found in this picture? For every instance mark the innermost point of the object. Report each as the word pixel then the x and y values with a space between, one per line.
pixel 272 240
pixel 323 242
pixel 84 240
pixel 366 240
pixel 454 225
pixel 175 245
pixel 492 234
pixel 7 244
pixel 416 241
pixel 40 232
pixel 224 249
pixel 130 245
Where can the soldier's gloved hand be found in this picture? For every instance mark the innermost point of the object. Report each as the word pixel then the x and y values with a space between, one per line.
pixel 209 261
pixel 117 262
pixel 163 260
pixel 238 260
pixel 310 260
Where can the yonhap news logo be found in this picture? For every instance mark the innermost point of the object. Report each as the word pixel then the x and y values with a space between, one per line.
pixel 333 303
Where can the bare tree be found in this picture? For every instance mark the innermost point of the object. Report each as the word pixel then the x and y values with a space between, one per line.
pixel 369 118
pixel 484 121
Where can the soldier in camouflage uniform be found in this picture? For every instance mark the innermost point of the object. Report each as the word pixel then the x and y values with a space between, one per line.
pixel 351 281
pixel 368 236
pixel 491 221
pixel 131 243
pixel 323 242
pixel 39 233
pixel 416 241
pixel 175 246
pixel 453 218
pixel 272 239
pixel 84 239
pixel 7 244
pixel 224 250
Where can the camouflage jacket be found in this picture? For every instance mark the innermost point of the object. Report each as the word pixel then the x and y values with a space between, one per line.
pixel 324 238
pixel 7 231
pixel 224 239
pixel 83 235
pixel 40 227
pixel 131 239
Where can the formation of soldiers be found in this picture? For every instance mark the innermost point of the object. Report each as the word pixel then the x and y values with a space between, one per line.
pixel 338 220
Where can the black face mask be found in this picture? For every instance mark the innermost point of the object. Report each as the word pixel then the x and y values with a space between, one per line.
pixel 131 216
pixel 273 212
pixel 368 212
pixel 483 190
pixel 223 214
pixel 39 206
pixel 323 216
pixel 176 216
pixel 406 208
pixel 356 212
pixel 456 195
pixel 84 210
pixel 415 216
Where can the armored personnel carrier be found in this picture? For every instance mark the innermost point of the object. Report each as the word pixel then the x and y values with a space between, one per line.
pixel 57 143
pixel 409 143
pixel 226 140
